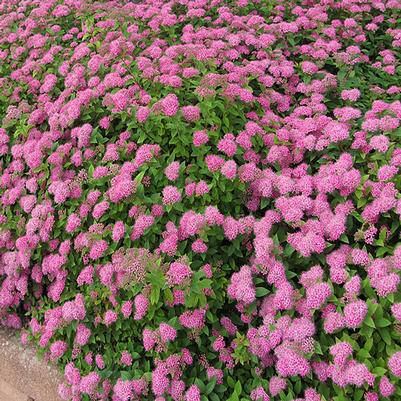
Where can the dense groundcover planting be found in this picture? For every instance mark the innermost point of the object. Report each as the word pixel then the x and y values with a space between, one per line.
pixel 200 200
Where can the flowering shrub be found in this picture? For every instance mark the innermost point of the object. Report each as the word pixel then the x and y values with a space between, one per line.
pixel 200 200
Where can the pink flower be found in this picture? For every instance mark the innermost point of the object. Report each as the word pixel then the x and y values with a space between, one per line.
pixel 110 317
pixel 336 131
pixel 396 310
pixel 191 113
pixel 171 195
pixel 241 287
pixel 142 114
pixel 141 306
pixel 193 393
pixel 57 349
pixel 126 358
pixel 228 145
pixel 167 333
pixel 214 162
pixel 126 309
pixel 100 209
pixel 317 295
pixel 160 381
pixel 27 202
pixel 82 335
pixel 350 94
pixel 276 385
pixel 353 286
pixel 118 231
pixel 104 122
pixel 387 389
pixel 99 361
pixel 89 383
pixel 259 394
pixel 379 143
pixel 394 364
pixel 341 352
pixel 122 189
pixel 149 339
pixel 229 169
pixel 71 373
pixel 290 363
pixel 386 172
pixel 73 222
pixel 74 310
pixel 371 396
pixel 354 313
pixel 201 188
pixel 86 276
pixel 333 321
pixel 198 246
pixel 194 319
pixel 200 138
pixel 309 68
pixel 170 105
pixel 123 390
pixel 64 391
pixel 172 171
pixel 178 273
pixel 98 249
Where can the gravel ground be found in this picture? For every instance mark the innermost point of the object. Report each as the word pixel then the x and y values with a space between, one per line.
pixel 22 370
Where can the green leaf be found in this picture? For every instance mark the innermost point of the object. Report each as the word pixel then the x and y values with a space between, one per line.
pixel 318 348
pixel 200 384
pixel 371 306
pixel 234 397
pixel 214 397
pixel 238 388
pixel 154 295
pixel 139 177
pixel 358 394
pixel 125 375
pixel 210 386
pixel 230 382
pixel 368 344
pixel 369 322
pixel 386 336
pixel 261 291
pixel 91 169
pixel 383 322
pixel 379 371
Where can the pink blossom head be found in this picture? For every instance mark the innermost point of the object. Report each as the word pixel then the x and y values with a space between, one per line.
pixel 169 105
pixel 110 317
pixel 171 195
pixel 193 393
pixel 89 383
pixel 200 138
pixel 394 364
pixel 191 113
pixel 355 313
pixel 167 333
pixel 396 311
pixel 178 273
pixel 172 171
pixel 276 385
pixel 141 303
pixel 350 94
pixel 387 389
pixel 379 143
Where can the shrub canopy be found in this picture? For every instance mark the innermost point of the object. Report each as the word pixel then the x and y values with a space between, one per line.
pixel 200 200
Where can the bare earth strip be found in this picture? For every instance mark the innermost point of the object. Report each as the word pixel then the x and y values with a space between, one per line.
pixel 23 377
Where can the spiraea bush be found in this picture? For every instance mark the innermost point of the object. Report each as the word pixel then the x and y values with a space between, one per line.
pixel 200 199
